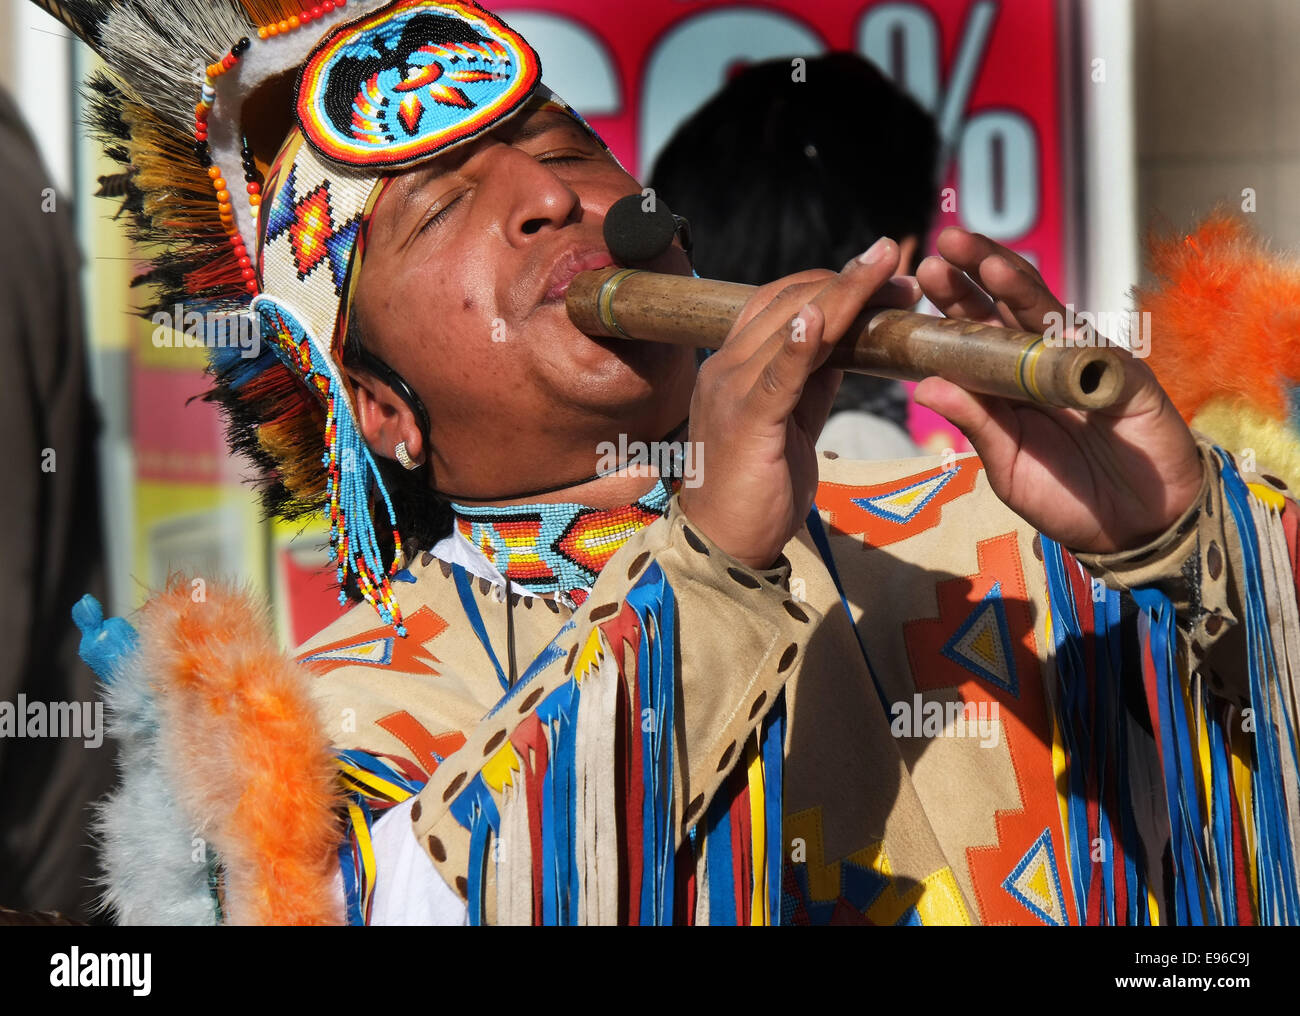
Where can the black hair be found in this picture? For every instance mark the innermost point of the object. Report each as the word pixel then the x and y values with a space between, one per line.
pixel 778 175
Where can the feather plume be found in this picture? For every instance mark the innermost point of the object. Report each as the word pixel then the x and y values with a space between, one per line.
pixel 81 16
pixel 161 48
pixel 1225 316
pixel 1225 344
pixel 240 739
pixel 143 110
pixel 145 838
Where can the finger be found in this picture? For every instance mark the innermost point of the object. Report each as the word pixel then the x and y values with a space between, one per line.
pixel 1023 300
pixel 856 287
pixel 777 301
pixel 780 368
pixel 840 302
pixel 952 291
pixel 968 250
pixel 758 322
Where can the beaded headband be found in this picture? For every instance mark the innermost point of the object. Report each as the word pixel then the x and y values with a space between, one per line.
pixel 202 89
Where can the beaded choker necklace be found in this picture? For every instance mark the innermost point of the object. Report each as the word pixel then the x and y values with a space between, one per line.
pixel 557 548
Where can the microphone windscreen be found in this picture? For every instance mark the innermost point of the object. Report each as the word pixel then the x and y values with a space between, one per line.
pixel 633 234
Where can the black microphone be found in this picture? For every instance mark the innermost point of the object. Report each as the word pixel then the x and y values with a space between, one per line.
pixel 634 235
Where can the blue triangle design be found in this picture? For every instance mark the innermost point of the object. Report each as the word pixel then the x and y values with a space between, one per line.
pixel 1042 845
pixel 339 247
pixel 992 602
pixel 350 653
pixel 283 212
pixel 877 507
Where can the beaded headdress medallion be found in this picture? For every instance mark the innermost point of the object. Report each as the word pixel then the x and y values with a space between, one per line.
pixel 312 106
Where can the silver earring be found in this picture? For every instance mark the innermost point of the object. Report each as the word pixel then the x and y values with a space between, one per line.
pixel 404 457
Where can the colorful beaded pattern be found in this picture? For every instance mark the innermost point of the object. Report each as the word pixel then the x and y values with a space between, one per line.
pixel 549 548
pixel 407 82
pixel 350 466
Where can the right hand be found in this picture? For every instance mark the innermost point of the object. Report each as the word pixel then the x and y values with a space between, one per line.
pixel 760 403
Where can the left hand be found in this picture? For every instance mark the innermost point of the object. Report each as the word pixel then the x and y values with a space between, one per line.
pixel 1097 482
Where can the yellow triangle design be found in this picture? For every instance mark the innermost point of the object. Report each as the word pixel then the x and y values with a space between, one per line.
pixel 986 645
pixel 908 496
pixel 900 503
pixel 1037 884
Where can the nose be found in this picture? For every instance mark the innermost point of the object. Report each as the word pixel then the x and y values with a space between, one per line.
pixel 538 199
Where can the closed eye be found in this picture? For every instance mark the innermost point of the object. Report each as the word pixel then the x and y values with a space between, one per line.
pixel 561 157
pixel 443 213
pixel 441 216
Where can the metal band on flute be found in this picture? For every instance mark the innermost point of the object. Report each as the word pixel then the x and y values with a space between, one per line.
pixel 633 304
pixel 605 301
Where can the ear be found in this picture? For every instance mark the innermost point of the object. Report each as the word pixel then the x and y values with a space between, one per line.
pixel 383 417
pixel 907 248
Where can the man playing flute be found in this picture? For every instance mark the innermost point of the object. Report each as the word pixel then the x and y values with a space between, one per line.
pixel 1049 683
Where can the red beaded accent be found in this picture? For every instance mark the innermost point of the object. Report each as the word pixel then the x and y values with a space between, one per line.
pixel 296 21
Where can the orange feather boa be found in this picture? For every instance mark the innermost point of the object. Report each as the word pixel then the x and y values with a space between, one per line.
pixel 252 766
pixel 1225 314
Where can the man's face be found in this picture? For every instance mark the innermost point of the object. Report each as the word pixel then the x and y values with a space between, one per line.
pixel 462 292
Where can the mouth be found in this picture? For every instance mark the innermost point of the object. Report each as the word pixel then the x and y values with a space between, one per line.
pixel 569 265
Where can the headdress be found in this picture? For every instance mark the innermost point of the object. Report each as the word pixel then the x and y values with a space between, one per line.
pixel 257 136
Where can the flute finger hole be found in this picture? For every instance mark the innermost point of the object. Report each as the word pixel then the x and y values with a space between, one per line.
pixel 1092 376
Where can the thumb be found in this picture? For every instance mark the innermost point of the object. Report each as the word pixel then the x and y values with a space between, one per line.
pixel 988 423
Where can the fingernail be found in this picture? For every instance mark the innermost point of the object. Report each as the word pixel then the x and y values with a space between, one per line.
pixel 875 252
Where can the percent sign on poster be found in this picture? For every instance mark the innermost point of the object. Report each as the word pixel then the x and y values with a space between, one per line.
pixel 639 77
pixel 996 150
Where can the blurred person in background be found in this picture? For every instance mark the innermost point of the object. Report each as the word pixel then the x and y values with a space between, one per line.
pixel 773 183
pixel 51 546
